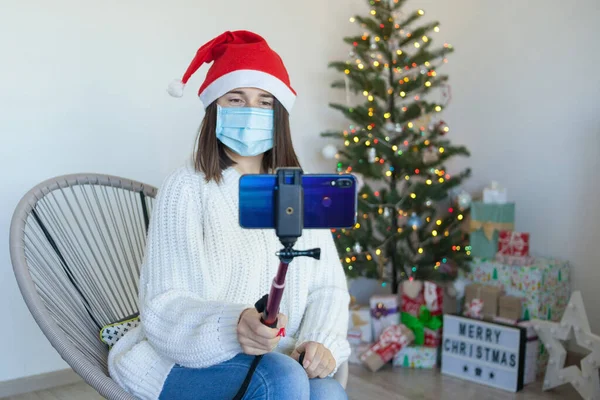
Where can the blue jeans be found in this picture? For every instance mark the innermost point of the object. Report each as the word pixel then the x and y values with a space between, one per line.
pixel 277 377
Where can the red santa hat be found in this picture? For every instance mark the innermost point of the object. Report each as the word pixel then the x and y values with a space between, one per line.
pixel 240 59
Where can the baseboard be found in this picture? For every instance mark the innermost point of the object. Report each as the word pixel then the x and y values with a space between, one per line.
pixel 38 382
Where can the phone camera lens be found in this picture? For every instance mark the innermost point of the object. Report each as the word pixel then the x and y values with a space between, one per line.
pixel 333 183
pixel 344 182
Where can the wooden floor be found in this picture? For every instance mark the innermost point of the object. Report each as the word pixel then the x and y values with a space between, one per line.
pixel 387 384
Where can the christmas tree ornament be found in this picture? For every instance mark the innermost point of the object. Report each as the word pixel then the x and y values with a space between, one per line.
pixel 442 128
pixel 428 202
pixel 463 200
pixel 357 248
pixel 373 43
pixel 372 153
pixel 430 155
pixel 329 151
pixel 386 212
pixel 389 126
pixel 415 221
pixel 351 54
pixel 398 128
pixel 574 323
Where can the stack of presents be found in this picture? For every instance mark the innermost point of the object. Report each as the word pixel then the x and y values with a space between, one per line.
pixel 506 285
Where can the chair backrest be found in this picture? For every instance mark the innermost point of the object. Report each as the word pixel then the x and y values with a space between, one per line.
pixel 77 243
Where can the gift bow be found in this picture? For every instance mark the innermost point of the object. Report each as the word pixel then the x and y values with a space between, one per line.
pixel 381 310
pixel 489 227
pixel 418 324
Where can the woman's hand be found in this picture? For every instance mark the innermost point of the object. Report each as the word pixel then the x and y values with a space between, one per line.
pixel 318 360
pixel 255 337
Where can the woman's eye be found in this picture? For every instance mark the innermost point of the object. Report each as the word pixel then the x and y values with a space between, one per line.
pixel 235 101
pixel 267 104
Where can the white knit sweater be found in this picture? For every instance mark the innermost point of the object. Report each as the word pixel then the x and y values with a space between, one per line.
pixel 201 270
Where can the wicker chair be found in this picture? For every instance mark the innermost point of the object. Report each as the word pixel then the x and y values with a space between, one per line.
pixel 77 244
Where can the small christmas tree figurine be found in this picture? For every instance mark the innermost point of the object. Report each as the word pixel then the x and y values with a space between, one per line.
pixel 406 362
pixel 495 274
pixel 397 140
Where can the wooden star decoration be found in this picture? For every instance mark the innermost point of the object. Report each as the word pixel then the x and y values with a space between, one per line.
pixel 573 323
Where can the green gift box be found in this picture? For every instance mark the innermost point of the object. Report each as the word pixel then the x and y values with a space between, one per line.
pixel 487 220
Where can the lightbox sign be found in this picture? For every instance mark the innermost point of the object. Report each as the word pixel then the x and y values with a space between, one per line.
pixel 488 353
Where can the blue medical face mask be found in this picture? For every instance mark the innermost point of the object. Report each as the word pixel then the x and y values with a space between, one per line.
pixel 247 131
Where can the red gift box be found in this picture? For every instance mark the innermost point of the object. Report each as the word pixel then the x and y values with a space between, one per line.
pixel 418 293
pixel 391 341
pixel 432 338
pixel 513 243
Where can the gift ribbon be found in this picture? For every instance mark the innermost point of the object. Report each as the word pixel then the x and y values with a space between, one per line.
pixel 381 310
pixel 418 324
pixel 489 227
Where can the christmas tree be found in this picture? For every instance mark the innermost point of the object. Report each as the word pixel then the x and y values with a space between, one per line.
pixel 410 213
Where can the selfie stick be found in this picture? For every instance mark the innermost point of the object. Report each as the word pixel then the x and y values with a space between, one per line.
pixel 289 221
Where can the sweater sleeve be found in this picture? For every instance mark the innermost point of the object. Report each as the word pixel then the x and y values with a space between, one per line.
pixel 325 318
pixel 180 322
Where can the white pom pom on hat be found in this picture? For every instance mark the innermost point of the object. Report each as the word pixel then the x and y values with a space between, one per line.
pixel 176 87
pixel 240 59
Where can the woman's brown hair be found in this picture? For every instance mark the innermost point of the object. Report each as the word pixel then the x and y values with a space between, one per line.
pixel 211 157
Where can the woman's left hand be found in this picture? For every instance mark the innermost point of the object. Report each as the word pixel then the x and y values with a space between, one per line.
pixel 318 360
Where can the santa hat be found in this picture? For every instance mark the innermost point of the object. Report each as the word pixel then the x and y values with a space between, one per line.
pixel 240 59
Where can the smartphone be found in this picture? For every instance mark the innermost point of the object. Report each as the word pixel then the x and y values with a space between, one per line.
pixel 330 201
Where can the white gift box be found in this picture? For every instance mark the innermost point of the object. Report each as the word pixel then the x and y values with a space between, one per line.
pixel 359 325
pixel 495 194
pixel 384 312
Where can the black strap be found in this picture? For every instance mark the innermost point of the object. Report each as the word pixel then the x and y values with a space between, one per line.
pixel 240 394
pixel 260 307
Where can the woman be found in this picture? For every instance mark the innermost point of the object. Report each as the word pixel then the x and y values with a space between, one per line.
pixel 202 273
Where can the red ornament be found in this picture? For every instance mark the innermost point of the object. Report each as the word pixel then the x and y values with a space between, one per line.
pixel 442 128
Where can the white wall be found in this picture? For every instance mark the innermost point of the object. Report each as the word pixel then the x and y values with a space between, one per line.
pixel 83 90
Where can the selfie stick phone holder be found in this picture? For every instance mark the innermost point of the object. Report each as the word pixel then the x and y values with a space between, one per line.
pixel 289 221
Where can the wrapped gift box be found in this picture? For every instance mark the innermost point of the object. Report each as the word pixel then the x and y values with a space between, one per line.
pixel 510 307
pixel 495 194
pixel 543 286
pixel 359 325
pixel 384 313
pixel 422 304
pixel 487 220
pixel 513 243
pixel 487 295
pixel 518 261
pixel 357 350
pixel 391 341
pixel 416 357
